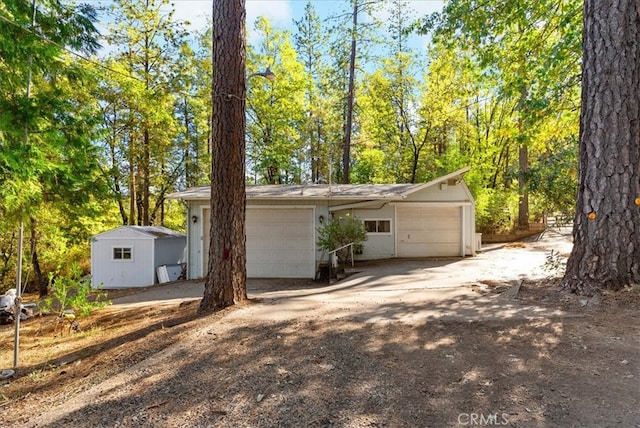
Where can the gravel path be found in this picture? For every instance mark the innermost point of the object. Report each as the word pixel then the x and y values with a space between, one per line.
pixel 398 344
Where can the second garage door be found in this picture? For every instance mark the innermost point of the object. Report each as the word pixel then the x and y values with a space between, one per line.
pixel 429 231
pixel 280 243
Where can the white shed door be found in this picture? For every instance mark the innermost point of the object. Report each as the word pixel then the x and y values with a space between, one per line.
pixel 280 243
pixel 429 231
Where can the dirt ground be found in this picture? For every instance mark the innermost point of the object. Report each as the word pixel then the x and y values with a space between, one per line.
pixel 167 367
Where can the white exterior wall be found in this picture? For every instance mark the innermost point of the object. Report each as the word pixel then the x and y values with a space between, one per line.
pixel 137 272
pixel 459 195
pixel 148 251
pixel 377 245
pixel 197 241
pixel 195 235
pixel 280 242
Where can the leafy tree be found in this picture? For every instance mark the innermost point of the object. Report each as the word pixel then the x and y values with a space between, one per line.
pixel 193 109
pixel 276 110
pixel 351 38
pixel 606 246
pixel 46 117
pixel 72 297
pixel 319 129
pixel 531 56
pixel 387 106
pixel 141 127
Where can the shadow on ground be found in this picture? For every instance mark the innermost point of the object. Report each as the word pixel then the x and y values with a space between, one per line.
pixel 320 372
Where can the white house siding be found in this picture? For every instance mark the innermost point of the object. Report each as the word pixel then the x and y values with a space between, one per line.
pixel 280 243
pixel 137 272
pixel 377 245
pixel 150 247
pixel 280 240
pixel 443 202
pixel 451 195
pixel 425 231
pixel 196 234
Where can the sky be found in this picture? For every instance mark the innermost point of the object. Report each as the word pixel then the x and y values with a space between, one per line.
pixel 281 13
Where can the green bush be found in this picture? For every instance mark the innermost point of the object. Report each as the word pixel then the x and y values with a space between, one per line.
pixel 340 231
pixel 496 211
pixel 72 295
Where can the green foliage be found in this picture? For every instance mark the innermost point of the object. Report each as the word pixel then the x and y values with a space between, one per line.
pixel 520 88
pixel 554 180
pixel 495 211
pixel 73 293
pixel 371 167
pixel 339 231
pixel 276 110
pixel 105 148
pixel 150 126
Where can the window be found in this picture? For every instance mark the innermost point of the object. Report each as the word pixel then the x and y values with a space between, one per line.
pixel 378 226
pixel 122 253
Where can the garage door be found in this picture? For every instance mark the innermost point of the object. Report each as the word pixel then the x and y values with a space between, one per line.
pixel 280 243
pixel 429 231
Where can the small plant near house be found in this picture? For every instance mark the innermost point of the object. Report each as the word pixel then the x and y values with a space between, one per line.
pixel 339 231
pixel 72 298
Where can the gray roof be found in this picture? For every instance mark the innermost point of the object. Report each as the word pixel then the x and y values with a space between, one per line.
pixel 158 232
pixel 322 191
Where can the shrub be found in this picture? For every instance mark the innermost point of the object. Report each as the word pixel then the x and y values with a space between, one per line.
pixel 340 231
pixel 496 211
pixel 72 297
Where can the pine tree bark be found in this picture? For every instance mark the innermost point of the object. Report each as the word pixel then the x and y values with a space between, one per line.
pixel 39 280
pixel 606 232
pixel 346 153
pixel 226 279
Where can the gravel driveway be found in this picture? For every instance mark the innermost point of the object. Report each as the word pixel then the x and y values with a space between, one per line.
pixel 400 343
pixel 396 289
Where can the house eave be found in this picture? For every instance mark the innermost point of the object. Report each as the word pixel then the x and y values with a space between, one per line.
pixel 325 192
pixel 456 174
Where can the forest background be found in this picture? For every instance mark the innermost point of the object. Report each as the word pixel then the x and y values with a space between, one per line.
pixel 99 123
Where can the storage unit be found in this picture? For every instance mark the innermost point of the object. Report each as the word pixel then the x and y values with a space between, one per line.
pixel 128 256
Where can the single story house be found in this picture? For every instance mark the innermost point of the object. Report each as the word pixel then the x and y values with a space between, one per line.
pixel 434 219
pixel 128 256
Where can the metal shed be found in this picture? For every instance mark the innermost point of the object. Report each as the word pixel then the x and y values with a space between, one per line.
pixel 128 256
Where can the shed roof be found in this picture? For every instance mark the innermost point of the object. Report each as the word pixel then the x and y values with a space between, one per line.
pixel 154 232
pixel 323 191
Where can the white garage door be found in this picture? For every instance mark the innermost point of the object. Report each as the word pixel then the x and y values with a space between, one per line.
pixel 429 231
pixel 280 243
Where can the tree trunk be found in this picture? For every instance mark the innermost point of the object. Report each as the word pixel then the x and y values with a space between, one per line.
pixel 523 167
pixel 226 279
pixel 146 178
pixel 346 154
pixel 39 280
pixel 606 231
pixel 188 173
pixel 132 182
pixel 523 192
